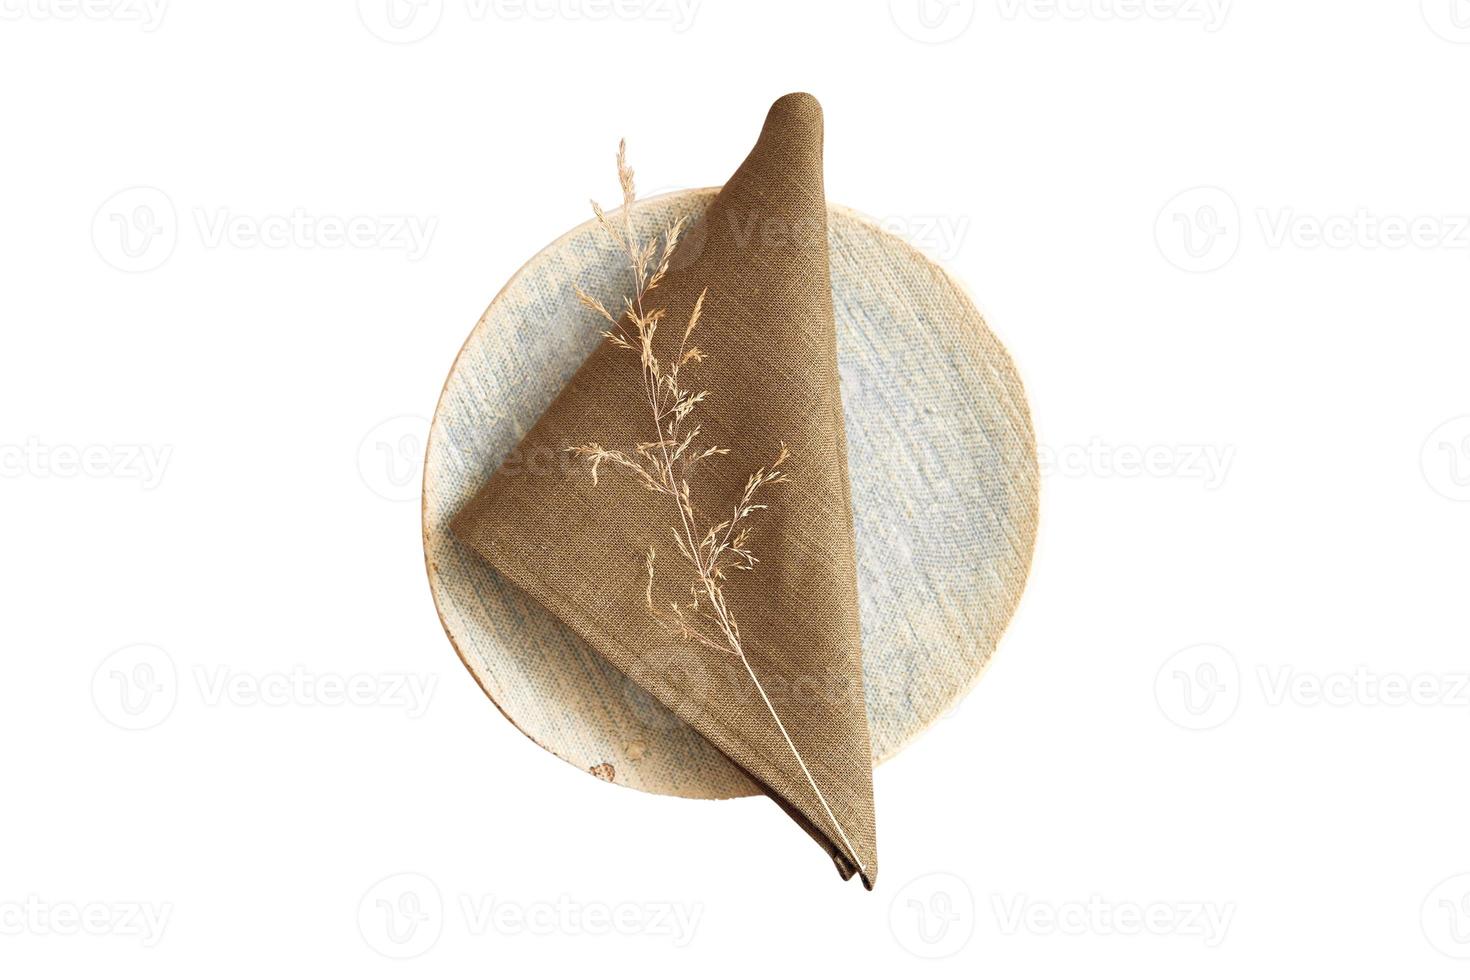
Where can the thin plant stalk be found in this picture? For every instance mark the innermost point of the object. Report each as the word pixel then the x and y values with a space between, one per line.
pixel 667 464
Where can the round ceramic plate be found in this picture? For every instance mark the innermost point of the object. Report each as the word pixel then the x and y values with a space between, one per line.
pixel 942 462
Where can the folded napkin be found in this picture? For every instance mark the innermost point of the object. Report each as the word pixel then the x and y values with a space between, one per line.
pixel 790 711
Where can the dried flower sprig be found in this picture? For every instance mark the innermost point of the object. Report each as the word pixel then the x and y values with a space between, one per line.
pixel 668 463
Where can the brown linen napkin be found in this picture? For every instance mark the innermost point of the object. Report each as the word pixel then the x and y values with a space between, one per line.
pixel 768 333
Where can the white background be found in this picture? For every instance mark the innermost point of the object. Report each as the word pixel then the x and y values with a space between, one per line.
pixel 1227 245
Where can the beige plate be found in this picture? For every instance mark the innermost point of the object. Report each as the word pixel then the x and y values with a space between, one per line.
pixel 944 492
